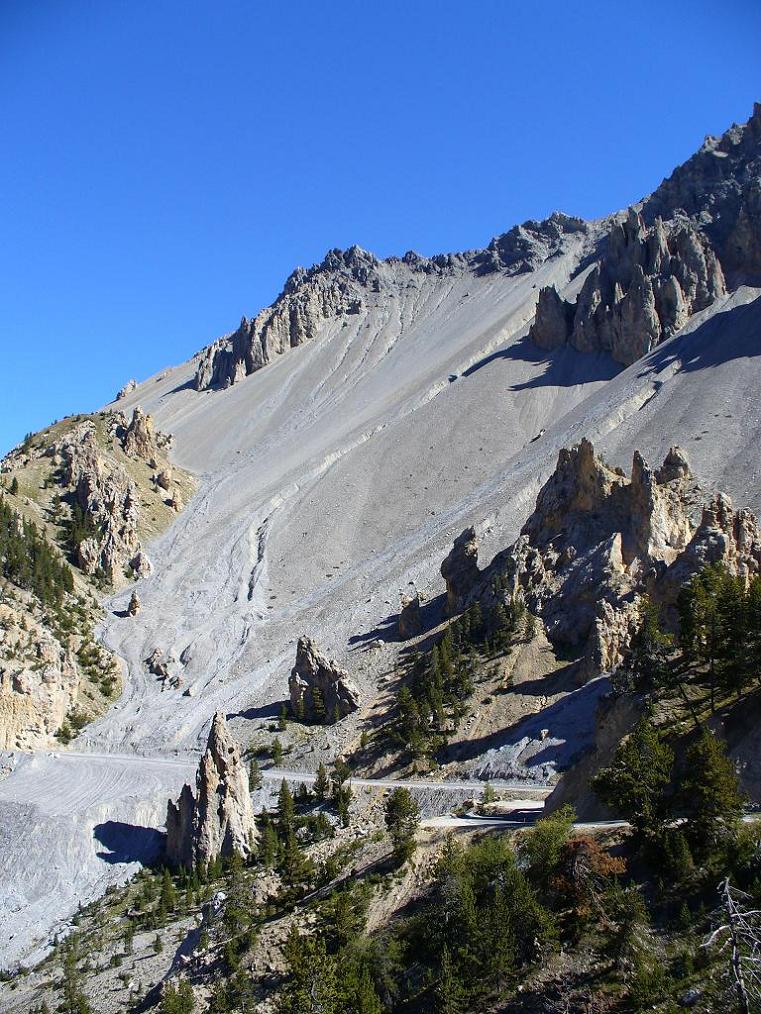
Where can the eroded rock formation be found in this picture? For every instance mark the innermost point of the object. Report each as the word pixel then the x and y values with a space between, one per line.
pixel 410 620
pixel 218 819
pixel 128 388
pixel 140 440
pixel 460 570
pixel 661 265
pixel 597 541
pixel 647 284
pixel 320 690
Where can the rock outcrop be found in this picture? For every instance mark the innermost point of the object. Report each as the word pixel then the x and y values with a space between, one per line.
pixel 460 570
pixel 320 690
pixel 44 670
pixel 350 282
pixel 410 621
pixel 719 187
pixel 525 247
pixel 108 503
pixel 669 260
pixel 139 439
pixel 597 541
pixel 218 819
pixel 128 388
pixel 647 284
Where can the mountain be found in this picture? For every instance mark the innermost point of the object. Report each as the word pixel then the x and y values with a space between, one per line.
pixel 332 447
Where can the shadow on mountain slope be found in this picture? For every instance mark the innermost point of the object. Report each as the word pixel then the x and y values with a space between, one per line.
pixel 128 843
pixel 563 368
pixel 730 334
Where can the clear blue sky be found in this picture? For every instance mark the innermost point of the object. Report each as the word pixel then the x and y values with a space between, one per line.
pixel 166 163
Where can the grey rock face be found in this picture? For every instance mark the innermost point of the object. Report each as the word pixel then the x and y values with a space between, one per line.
pixel 720 188
pixel 460 570
pixel 218 820
pixel 319 689
pixel 525 247
pixel 646 285
pixel 553 321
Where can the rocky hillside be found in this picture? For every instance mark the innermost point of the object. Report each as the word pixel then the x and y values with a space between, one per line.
pixel 340 441
pixel 95 487
pixel 597 542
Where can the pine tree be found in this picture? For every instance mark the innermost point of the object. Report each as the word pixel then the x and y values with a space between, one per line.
pixel 277 752
pixel 268 845
pixel 635 784
pixel 286 809
pixel 168 894
pixel 450 994
pixel 402 815
pixel 321 783
pixel 710 794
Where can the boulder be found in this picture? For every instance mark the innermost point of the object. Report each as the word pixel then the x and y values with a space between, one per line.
pixel 319 689
pixel 218 819
pixel 134 605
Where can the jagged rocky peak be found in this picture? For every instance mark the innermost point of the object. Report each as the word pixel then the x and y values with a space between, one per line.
pixel 320 690
pixel 218 820
pixel 526 247
pixel 661 264
pixel 647 284
pixel 719 188
pixel 346 283
pixel 597 541
pixel 128 388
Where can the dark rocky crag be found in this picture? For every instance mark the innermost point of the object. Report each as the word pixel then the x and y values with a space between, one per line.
pixel 672 258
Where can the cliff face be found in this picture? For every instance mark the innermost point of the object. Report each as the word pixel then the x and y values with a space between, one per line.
pixel 647 284
pixel 666 262
pixel 597 541
pixel 218 820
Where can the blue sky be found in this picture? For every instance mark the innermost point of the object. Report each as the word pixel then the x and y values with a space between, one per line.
pixel 166 163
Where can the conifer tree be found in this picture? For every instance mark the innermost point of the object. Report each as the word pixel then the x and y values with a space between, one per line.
pixel 321 783
pixel 636 782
